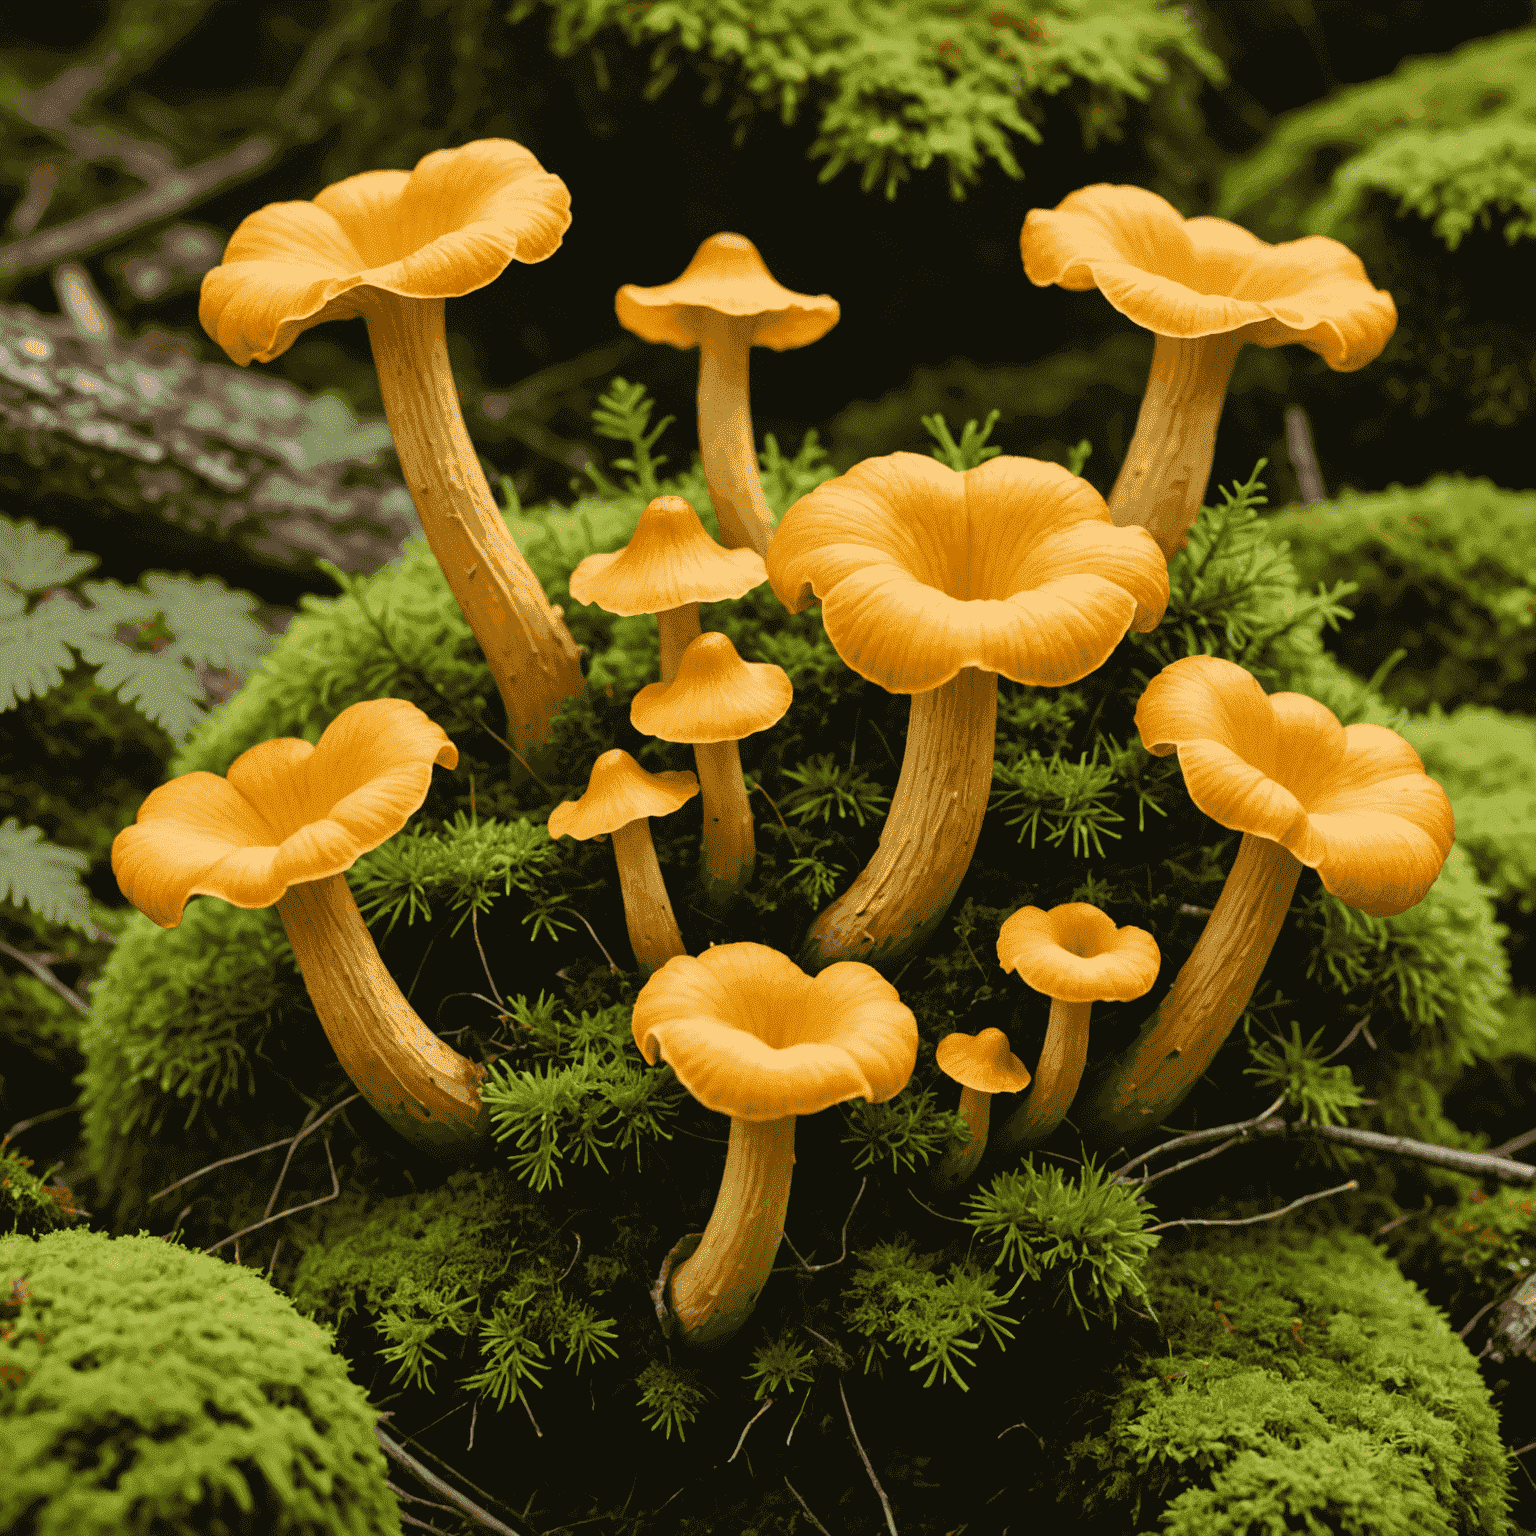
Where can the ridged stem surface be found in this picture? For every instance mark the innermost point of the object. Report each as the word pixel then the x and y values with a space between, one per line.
pixel 729 848
pixel 726 443
pixel 960 1160
pixel 1057 1075
pixel 653 933
pixel 676 629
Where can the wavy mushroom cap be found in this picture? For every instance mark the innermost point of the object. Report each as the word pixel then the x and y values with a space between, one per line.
pixel 749 1034
pixel 727 276
pixel 983 1061
pixel 1074 952
pixel 922 570
pixel 287 812
pixel 716 696
pixel 444 229
pixel 1206 276
pixel 620 791
pixel 670 560
pixel 1352 802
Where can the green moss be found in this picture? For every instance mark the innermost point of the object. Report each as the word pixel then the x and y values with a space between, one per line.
pixel 147 1388
pixel 27 1205
pixel 1300 1383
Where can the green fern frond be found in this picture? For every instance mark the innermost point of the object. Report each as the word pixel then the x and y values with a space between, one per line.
pixel 780 1365
pixel 1319 1092
pixel 624 414
pixel 670 1397
pixel 822 786
pixel 973 447
pixel 908 1129
pixel 38 874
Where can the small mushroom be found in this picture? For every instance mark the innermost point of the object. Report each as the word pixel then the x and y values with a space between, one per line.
pixel 1352 802
pixel 725 303
pixel 934 582
pixel 715 699
pixel 392 246
pixel 1076 956
pixel 1203 286
pixel 751 1036
pixel 621 798
pixel 668 568
pixel 279 830
pixel 983 1065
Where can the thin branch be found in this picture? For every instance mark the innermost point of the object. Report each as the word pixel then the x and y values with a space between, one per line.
pixel 750 1422
pixel 430 1479
pixel 812 1269
pixel 1428 1152
pixel 1147 1180
pixel 572 1265
pixel 1514 1144
pixel 474 924
pixel 416 1498
pixel 1197 1138
pixel 26 1125
pixel 39 968
pixel 271 1146
pixel 420 1525
pixel 1243 1221
pixel 1477 1317
pixel 940 1214
pixel 293 1210
pixel 825 1532
pixel 612 968
pixel 885 1503
pixel 282 1172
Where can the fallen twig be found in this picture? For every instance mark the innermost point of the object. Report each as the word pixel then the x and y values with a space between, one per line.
pixel 885 1503
pixel 812 1269
pixel 1243 1221
pixel 293 1210
pixel 817 1523
pixel 750 1422
pixel 26 1125
pixel 38 965
pixel 430 1479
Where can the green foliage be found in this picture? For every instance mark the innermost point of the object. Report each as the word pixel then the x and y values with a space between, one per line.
pixel 1092 1229
pixel 40 875
pixel 624 414
pixel 780 1365
pixel 822 785
pixel 972 449
pixel 1477 1248
pixel 895 1298
pixel 909 1129
pixel 28 1206
pixel 175 624
pixel 1315 1090
pixel 1299 1383
pixel 671 1397
pixel 1071 799
pixel 897 84
pixel 1445 572
pixel 145 1387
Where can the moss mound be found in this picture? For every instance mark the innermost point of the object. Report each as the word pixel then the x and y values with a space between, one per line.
pixel 146 1388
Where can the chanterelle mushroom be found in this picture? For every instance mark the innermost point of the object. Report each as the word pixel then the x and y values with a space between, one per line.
pixel 983 1065
pixel 933 582
pixel 621 798
pixel 751 1036
pixel 392 246
pixel 725 303
pixel 279 830
pixel 1352 802
pixel 1204 286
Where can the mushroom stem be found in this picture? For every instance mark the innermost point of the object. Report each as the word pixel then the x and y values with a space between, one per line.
pixel 714 1291
pixel 1146 1084
pixel 1162 482
pixel 677 629
pixel 416 1083
pixel 729 848
pixel 960 1160
pixel 1059 1071
pixel 726 443
pixel 902 894
pixel 648 915
pixel 530 651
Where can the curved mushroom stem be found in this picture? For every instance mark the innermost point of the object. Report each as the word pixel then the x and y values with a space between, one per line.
pixel 729 849
pixel 714 1291
pixel 1147 1083
pixel 902 894
pixel 530 651
pixel 419 1085
pixel 960 1160
pixel 1057 1075
pixel 726 443
pixel 648 915
pixel 676 629
pixel 1162 482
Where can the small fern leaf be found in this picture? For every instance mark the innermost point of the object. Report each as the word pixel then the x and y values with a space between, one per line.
pixel 33 559
pixel 112 604
pixel 159 684
pixel 43 876
pixel 211 625
pixel 35 647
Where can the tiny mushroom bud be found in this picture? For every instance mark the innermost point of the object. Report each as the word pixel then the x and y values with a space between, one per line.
pixel 621 798
pixel 668 568
pixel 983 1065
pixel 934 581
pixel 715 699
pixel 279 830
pixel 725 303
pixel 751 1036
pixel 1203 286
pixel 392 246
pixel 1077 957
pixel 1352 802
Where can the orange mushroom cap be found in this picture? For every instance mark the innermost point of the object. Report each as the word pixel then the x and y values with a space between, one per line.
pixel 983 1062
pixel 716 696
pixel 922 570
pixel 1074 952
pixel 670 560
pixel 728 276
pixel 1352 802
pixel 287 812
pixel 749 1034
pixel 618 792
pixel 1206 276
pixel 444 229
